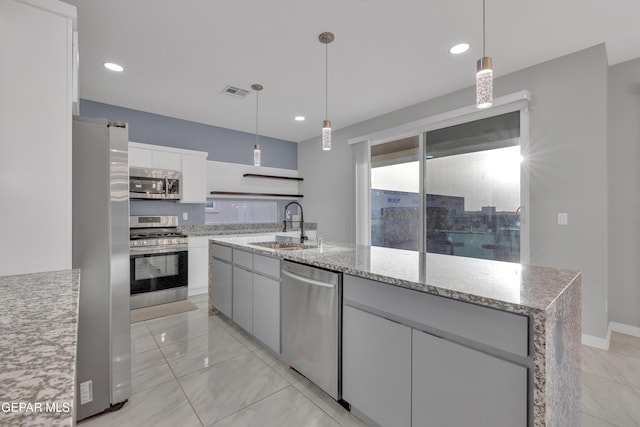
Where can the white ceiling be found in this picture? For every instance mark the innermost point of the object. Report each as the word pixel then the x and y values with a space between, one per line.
pixel 179 55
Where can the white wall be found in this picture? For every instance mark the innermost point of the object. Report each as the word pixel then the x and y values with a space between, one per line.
pixel 624 193
pixel 35 137
pixel 568 169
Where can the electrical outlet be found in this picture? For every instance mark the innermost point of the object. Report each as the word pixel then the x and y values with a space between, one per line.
pixel 563 218
pixel 185 216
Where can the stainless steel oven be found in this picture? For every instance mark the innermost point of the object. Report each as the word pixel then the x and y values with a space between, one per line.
pixel 158 261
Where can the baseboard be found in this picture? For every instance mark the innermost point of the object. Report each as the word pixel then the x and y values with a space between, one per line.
pixel 597 342
pixel 197 291
pixel 603 343
pixel 624 329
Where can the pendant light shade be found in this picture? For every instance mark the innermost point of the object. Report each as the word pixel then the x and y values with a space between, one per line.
pixel 256 148
pixel 484 72
pixel 484 82
pixel 326 38
pixel 326 135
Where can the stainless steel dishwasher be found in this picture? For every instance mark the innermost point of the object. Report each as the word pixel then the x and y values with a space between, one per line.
pixel 312 324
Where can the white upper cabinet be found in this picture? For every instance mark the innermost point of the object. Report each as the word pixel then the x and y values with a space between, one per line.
pixel 192 164
pixel 140 157
pixel 167 160
pixel 36 97
pixel 194 178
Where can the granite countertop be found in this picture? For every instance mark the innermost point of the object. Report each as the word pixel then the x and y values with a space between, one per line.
pixel 38 337
pixel 507 286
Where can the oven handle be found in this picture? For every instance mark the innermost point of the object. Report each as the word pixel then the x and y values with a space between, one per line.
pixel 148 254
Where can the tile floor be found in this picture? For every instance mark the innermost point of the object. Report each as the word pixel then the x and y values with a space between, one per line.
pixel 190 369
pixel 611 383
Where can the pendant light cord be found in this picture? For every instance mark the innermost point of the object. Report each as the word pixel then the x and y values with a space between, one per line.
pixel 257 101
pixel 326 81
pixel 483 28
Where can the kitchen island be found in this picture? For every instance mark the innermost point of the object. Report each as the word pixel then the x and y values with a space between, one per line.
pixel 38 344
pixel 542 305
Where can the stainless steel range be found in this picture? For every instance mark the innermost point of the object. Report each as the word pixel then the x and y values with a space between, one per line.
pixel 158 261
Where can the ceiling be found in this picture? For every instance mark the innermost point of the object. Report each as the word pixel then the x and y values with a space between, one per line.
pixel 180 55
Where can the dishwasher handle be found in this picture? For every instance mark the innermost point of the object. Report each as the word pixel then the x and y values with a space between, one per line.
pixel 307 280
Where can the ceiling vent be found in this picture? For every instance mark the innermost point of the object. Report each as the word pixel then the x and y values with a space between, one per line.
pixel 235 91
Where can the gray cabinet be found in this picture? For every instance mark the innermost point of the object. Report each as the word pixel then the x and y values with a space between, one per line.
pixel 243 298
pixel 266 311
pixel 256 296
pixel 456 386
pixel 396 374
pixel 376 367
pixel 221 286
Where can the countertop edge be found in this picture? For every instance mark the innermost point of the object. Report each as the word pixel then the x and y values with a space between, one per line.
pixel 293 255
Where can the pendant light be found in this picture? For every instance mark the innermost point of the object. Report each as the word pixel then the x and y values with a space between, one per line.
pixel 256 148
pixel 484 73
pixel 326 38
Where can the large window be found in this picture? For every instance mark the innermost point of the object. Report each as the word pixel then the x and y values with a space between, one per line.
pixel 452 190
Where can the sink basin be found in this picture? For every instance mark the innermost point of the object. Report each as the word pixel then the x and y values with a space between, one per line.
pixel 278 244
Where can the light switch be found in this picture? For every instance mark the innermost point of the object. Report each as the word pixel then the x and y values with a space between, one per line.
pixel 185 216
pixel 563 218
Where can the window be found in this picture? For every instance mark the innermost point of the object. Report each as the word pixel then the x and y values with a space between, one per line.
pixel 395 194
pixel 454 184
pixel 472 186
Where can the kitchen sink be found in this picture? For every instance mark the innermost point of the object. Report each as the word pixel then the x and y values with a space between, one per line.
pixel 286 245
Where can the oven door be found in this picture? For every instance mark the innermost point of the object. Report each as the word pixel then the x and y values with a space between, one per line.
pixel 153 272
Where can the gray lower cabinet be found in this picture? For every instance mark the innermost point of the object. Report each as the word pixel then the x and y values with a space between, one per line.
pixel 221 286
pixel 243 298
pixel 254 293
pixel 266 311
pixel 376 367
pixel 395 374
pixel 453 386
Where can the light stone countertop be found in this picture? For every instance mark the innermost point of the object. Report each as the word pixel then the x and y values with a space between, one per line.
pixel 507 286
pixel 38 346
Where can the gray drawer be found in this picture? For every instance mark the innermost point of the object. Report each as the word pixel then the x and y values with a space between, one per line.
pixel 266 265
pixel 495 328
pixel 221 252
pixel 243 259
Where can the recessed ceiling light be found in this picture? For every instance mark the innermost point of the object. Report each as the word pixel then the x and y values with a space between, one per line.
pixel 299 118
pixel 459 48
pixel 113 67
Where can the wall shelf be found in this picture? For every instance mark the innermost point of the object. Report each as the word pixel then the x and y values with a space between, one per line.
pixel 257 175
pixel 239 193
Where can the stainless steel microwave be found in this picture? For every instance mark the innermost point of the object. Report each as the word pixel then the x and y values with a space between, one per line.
pixel 147 183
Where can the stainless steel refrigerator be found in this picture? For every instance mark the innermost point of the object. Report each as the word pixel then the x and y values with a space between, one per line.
pixel 101 251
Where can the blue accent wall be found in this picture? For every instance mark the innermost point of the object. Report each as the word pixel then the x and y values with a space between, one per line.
pixel 224 145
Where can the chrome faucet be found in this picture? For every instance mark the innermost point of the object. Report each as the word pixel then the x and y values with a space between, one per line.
pixel 303 236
